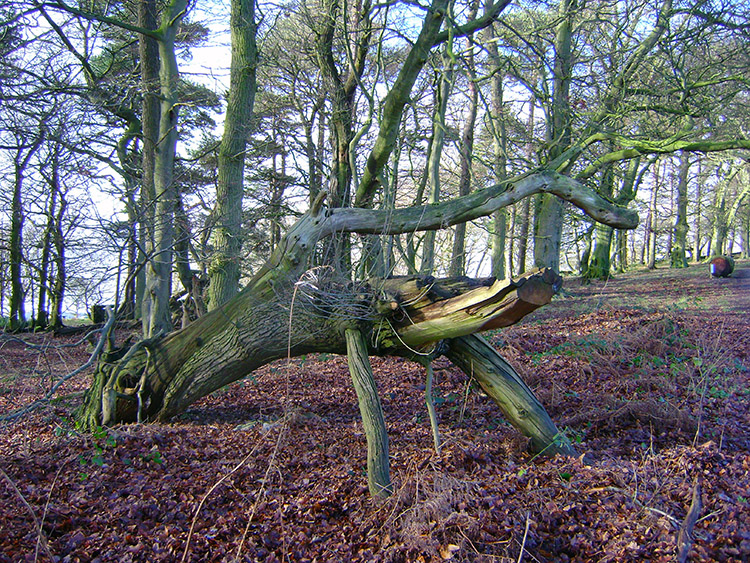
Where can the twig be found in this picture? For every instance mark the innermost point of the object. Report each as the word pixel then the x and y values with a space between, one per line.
pixel 685 537
pixel 300 283
pixel 92 359
pixel 44 347
pixel 430 401
pixel 635 500
pixel 525 534
pixel 466 394
pixel 262 490
pixel 37 525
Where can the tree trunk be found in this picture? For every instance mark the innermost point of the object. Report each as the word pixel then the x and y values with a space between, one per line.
pixel 679 240
pixel 523 232
pixel 466 155
pixel 653 220
pixel 725 219
pixel 130 305
pixel 597 265
pixel 17 217
pixel 224 271
pixel 288 309
pixel 58 286
pixel 443 90
pixel 698 234
pixel 621 242
pixel 343 88
pixel 599 261
pixel 719 227
pixel 500 150
pixel 378 466
pixel 42 315
pixel 549 212
pixel 17 314
pixel 149 60
pixel 159 269
pixel 523 235
pixel 548 221
pixel 478 359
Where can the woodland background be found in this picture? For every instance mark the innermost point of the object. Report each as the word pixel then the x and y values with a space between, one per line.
pixel 198 166
pixel 154 155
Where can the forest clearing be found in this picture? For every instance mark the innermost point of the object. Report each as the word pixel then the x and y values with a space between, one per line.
pixel 648 374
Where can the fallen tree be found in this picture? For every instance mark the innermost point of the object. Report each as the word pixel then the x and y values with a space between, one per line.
pixel 290 308
pixel 293 306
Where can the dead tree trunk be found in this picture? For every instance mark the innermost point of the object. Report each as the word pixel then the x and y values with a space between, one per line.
pixel 291 309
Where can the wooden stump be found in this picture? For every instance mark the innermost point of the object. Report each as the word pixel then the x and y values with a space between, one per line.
pixel 721 266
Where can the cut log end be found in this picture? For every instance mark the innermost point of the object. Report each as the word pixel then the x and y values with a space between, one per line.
pixel 721 266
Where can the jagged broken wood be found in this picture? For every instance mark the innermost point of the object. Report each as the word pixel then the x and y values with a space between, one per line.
pixel 721 266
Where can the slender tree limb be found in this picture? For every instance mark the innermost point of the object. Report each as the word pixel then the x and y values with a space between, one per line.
pixel 478 204
pixel 59 5
pixel 640 148
pixel 378 475
pixel 42 537
pixel 485 20
pixel 713 19
pixel 396 99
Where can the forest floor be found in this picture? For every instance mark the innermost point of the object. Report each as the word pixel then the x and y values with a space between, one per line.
pixel 648 375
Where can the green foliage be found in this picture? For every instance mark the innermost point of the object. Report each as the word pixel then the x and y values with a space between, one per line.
pixel 154 456
pixel 102 441
pixel 578 348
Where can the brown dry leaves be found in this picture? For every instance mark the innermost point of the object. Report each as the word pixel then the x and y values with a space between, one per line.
pixel 653 390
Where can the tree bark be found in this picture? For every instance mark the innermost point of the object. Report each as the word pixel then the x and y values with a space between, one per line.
pixel 224 271
pixel 148 48
pixel 378 466
pixel 697 231
pixel 549 213
pixel 57 292
pixel 443 90
pixel 159 268
pixel 478 359
pixel 466 154
pixel 500 150
pixel 24 151
pixel 679 240
pixel 653 220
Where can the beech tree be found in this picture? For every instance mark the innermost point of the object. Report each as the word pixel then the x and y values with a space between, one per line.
pixel 225 266
pixel 619 80
pixel 23 129
pixel 292 306
pixel 302 300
